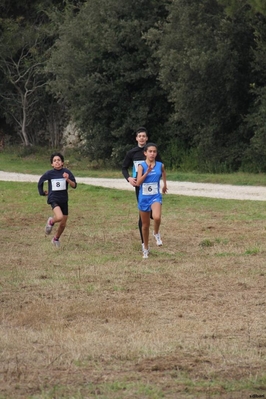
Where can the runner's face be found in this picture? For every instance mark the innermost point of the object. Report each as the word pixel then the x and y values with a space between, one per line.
pixel 142 139
pixel 151 153
pixel 57 163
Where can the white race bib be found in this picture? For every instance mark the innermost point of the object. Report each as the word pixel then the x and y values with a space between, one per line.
pixel 58 184
pixel 137 163
pixel 149 188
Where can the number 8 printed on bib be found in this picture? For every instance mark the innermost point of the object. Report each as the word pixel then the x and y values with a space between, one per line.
pixel 58 184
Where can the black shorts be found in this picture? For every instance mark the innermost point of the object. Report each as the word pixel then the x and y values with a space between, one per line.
pixel 62 205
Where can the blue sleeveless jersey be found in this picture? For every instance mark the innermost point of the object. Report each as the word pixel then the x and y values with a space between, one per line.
pixel 149 191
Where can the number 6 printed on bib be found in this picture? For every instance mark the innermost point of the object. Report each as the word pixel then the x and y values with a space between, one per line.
pixel 149 188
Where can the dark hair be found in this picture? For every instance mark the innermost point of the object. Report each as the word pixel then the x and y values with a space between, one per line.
pixel 150 145
pixel 141 129
pixel 57 154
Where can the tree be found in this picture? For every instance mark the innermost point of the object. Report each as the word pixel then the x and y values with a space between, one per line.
pixel 102 67
pixel 205 68
pixel 26 34
pixel 22 72
pixel 254 159
pixel 255 121
pixel 233 7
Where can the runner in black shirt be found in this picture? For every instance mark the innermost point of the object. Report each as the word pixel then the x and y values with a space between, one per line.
pixel 58 180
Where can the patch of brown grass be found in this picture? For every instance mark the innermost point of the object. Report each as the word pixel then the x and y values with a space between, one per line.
pixel 93 319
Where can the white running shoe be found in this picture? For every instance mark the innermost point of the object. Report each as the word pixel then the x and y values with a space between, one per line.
pixel 145 254
pixel 158 239
pixel 55 242
pixel 142 246
pixel 48 227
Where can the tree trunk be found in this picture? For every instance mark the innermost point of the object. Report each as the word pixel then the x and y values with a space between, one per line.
pixel 24 120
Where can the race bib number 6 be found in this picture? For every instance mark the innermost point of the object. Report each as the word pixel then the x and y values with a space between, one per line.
pixel 149 188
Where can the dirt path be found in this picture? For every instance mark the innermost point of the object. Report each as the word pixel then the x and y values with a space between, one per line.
pixel 226 191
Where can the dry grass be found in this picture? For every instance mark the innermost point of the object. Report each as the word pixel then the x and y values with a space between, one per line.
pixel 95 320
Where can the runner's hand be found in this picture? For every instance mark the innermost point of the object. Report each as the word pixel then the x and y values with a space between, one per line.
pixel 132 181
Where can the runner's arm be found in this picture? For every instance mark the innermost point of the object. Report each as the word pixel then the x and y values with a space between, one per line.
pixel 41 181
pixel 164 188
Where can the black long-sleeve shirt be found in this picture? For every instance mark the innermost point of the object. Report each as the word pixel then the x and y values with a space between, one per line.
pixel 57 185
pixel 131 160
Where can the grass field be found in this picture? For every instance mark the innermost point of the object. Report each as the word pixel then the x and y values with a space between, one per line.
pixel 36 161
pixel 92 319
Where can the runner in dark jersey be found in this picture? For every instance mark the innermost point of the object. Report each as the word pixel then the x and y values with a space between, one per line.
pixel 57 195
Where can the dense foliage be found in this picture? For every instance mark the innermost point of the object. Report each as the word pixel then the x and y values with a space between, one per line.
pixel 192 72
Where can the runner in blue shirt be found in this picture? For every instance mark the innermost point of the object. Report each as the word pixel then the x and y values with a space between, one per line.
pixel 132 159
pixel 149 175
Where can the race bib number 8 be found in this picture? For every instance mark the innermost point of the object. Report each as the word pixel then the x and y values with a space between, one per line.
pixel 149 188
pixel 58 184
